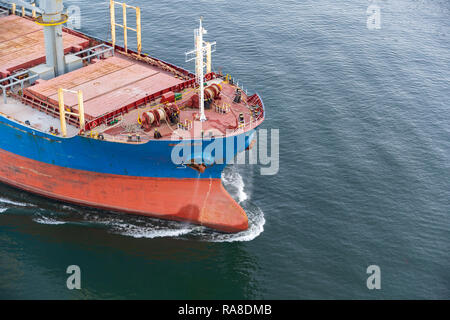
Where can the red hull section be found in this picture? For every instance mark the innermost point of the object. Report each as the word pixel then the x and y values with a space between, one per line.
pixel 199 201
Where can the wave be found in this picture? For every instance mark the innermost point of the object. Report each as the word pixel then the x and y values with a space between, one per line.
pixel 47 220
pixel 15 203
pixel 149 232
pixel 256 227
pixel 234 182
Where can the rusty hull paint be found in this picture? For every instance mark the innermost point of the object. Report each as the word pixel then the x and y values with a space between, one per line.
pixel 199 201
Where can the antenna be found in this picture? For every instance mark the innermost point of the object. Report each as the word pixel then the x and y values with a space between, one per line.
pixel 198 54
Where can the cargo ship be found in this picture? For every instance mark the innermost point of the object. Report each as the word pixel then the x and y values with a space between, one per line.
pixel 93 123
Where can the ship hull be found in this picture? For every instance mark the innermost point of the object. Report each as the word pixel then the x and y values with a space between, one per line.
pixel 199 201
pixel 132 178
pixel 111 169
pixel 151 159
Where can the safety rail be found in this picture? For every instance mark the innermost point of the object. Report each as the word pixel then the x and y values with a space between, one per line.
pixel 44 106
pixel 4 12
pixel 96 51
pixel 14 80
pixel 187 125
pixel 257 101
pixel 14 9
pixel 254 100
pixel 105 118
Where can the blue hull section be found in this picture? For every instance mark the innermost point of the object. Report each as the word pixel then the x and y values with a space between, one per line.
pixel 151 159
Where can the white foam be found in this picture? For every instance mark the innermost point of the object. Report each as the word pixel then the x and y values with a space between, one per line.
pixel 149 232
pixel 21 204
pixel 47 220
pixel 3 210
pixel 234 181
pixel 69 208
pixel 256 227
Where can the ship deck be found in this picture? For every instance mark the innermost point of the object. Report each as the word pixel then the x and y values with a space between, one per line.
pixel 107 85
pixel 22 44
pixel 117 89
pixel 21 113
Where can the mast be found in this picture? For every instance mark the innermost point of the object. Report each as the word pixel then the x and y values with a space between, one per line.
pixel 201 48
pixel 51 18
pixel 52 23
pixel 200 66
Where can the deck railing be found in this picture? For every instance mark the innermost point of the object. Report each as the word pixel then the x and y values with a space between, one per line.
pixel 16 79
pixel 96 51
